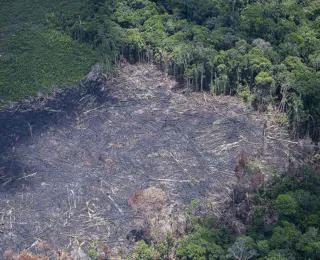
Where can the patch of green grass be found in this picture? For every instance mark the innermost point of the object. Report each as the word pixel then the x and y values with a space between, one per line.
pixel 33 58
pixel 19 12
pixel 40 61
pixel 21 16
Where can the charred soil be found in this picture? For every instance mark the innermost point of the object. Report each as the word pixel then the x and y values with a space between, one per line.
pixel 115 161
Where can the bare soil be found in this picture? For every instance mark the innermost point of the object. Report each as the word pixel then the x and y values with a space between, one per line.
pixel 87 163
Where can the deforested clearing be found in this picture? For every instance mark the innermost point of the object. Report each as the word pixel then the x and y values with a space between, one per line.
pixel 114 160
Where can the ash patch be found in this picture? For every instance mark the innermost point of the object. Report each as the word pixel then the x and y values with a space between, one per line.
pixel 26 121
pixel 27 118
pixel 70 163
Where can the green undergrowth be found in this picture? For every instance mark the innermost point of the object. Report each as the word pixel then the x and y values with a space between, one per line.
pixel 33 58
pixel 22 15
pixel 41 61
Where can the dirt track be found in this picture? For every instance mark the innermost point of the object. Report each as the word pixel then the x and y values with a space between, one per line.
pixel 70 163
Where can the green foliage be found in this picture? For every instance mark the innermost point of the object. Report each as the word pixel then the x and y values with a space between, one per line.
pixel 165 248
pixel 264 89
pixel 205 240
pixel 199 249
pixel 312 220
pixel 93 254
pixel 27 15
pixel 285 204
pixel 144 252
pixel 159 250
pixel 246 94
pixel 263 247
pixel 202 243
pixel 42 61
pixel 35 59
pixel 285 236
pixel 263 79
pixel 294 232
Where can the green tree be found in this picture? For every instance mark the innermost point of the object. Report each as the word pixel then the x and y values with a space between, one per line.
pixel 263 247
pixel 200 244
pixel 256 63
pixel 144 252
pixel 309 243
pixel 264 89
pixel 285 204
pixel 285 236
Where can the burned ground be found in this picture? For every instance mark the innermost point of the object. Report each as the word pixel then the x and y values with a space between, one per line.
pixel 72 165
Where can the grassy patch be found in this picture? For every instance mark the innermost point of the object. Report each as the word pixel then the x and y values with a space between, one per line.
pixel 41 60
pixel 22 15
pixel 33 58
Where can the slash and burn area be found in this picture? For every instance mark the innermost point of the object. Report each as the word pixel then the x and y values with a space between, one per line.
pixel 120 160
